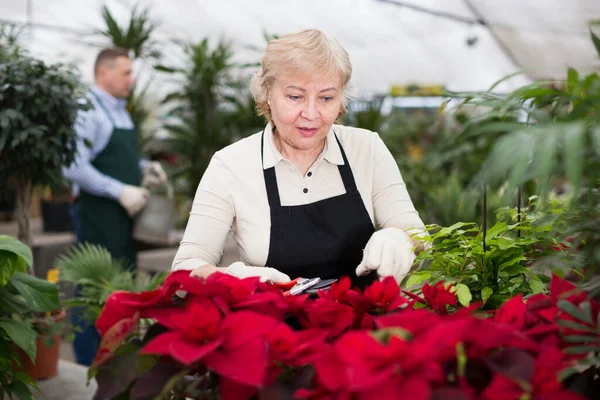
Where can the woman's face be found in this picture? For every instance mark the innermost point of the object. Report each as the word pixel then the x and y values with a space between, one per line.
pixel 304 109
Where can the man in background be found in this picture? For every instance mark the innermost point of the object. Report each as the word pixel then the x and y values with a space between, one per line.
pixel 109 178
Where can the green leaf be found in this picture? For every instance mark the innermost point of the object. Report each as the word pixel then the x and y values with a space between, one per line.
pixel 513 270
pixel 23 377
pixel 450 229
pixel 596 41
pixel 574 311
pixel 565 373
pixel 21 334
pixel 581 338
pixel 574 152
pixel 20 390
pixel 418 277
pixel 40 294
pixel 502 243
pixel 576 326
pixel 586 309
pixel 537 286
pixel 595 136
pixel 14 256
pixel 572 78
pixel 486 292
pixel 13 245
pixel 495 230
pixel 579 349
pixel 463 294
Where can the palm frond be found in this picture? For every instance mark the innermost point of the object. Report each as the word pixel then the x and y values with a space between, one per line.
pixel 89 262
pixel 136 36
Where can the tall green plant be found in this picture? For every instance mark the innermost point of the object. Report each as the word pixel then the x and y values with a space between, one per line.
pixel 556 135
pixel 209 111
pixel 137 36
pixel 38 108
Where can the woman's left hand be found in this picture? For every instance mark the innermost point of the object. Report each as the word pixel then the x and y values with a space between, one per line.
pixel 389 252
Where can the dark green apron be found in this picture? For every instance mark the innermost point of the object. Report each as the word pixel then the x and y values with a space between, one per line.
pixel 104 221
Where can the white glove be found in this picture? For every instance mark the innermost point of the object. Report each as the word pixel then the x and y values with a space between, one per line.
pixel 154 175
pixel 240 270
pixel 389 252
pixel 133 199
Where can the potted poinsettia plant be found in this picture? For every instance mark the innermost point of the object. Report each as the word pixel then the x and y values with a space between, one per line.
pixel 239 339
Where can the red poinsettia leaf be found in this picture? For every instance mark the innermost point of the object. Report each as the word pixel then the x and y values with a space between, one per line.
pixel 161 343
pixel 189 352
pixel 245 364
pixel 562 289
pixel 512 312
pixel 330 371
pixel 415 321
pixel 502 388
pixel 339 289
pixel 114 311
pixel 242 326
pixel 113 338
pixel 200 320
pixel 181 280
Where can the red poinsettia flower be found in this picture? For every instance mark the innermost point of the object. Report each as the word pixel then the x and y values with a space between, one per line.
pixel 374 370
pixel 194 331
pixel 384 296
pixel 542 384
pixel 438 296
pixel 123 305
pixel 330 315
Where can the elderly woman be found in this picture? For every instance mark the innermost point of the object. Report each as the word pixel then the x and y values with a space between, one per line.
pixel 303 196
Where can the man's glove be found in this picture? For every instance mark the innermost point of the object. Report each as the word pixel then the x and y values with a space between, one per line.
pixel 240 270
pixel 133 199
pixel 154 175
pixel 389 252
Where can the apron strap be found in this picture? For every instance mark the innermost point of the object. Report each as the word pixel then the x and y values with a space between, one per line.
pixel 112 121
pixel 270 178
pixel 345 170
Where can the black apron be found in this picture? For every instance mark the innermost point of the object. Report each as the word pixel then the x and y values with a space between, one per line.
pixel 104 221
pixel 324 239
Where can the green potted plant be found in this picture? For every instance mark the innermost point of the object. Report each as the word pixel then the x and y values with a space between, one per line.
pixel 38 108
pixel 98 275
pixel 23 298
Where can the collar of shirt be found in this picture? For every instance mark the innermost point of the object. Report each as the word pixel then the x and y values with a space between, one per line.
pixel 331 152
pixel 108 100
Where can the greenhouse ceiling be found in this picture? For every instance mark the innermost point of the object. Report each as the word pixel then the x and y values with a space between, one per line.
pixel 460 44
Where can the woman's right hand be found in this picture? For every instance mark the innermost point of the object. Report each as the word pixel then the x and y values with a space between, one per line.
pixel 241 270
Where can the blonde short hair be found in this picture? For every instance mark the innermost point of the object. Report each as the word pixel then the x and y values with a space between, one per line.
pixel 308 52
